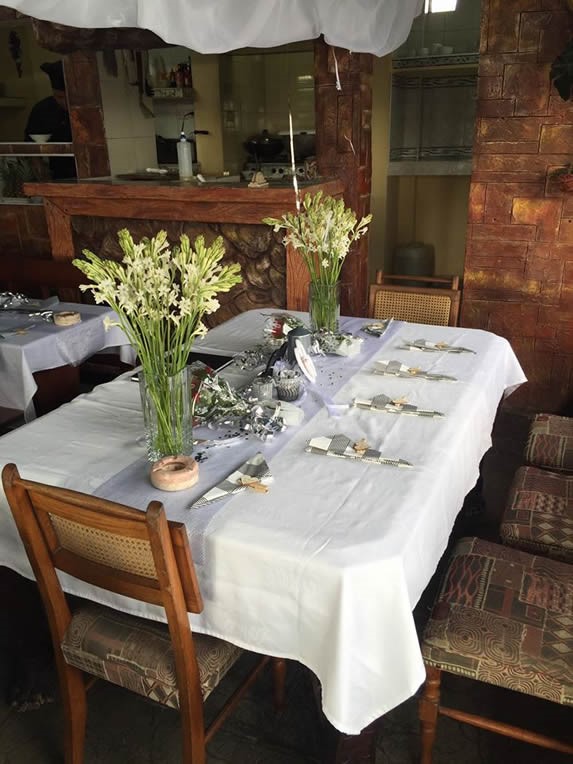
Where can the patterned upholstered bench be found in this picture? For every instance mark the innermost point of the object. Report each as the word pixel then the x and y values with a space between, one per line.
pixel 539 513
pixel 502 617
pixel 550 442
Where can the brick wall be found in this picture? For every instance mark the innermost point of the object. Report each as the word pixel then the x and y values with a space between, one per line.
pixel 518 279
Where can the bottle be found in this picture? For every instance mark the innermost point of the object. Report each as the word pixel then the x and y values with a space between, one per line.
pixel 184 158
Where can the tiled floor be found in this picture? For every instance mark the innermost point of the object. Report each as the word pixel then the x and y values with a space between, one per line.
pixel 123 728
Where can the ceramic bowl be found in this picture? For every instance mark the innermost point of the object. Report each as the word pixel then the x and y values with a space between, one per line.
pixel 41 137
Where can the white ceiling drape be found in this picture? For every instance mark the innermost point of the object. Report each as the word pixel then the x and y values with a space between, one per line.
pixel 217 26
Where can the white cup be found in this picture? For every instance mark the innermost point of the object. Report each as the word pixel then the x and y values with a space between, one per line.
pixel 437 48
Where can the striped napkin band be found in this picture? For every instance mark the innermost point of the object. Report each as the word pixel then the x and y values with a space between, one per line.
pixel 433 347
pixel 256 467
pixel 397 369
pixel 345 448
pixel 388 405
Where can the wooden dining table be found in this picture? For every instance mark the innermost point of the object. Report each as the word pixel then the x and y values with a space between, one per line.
pixel 326 567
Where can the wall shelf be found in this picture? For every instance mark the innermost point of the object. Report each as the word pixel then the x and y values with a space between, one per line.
pixel 431 167
pixel 434 64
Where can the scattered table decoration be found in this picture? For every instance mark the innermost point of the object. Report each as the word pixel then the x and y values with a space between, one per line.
pixel 17 301
pixel 160 295
pixel 378 328
pixel 289 384
pixel 336 343
pixel 388 405
pixel 305 362
pixel 433 347
pixel 254 469
pixel 345 448
pixel 397 369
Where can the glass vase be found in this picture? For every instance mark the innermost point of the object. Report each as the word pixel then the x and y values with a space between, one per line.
pixel 324 306
pixel 167 415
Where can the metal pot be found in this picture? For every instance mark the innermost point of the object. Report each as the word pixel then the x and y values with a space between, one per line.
pixel 264 146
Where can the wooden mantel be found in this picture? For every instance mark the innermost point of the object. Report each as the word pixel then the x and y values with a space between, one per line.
pixel 175 201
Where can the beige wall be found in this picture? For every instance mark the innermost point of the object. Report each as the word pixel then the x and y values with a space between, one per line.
pixel 129 123
pixel 207 108
pixel 432 209
pixel 381 93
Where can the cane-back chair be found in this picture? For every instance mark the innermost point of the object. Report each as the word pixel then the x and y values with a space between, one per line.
pixel 136 554
pixel 433 300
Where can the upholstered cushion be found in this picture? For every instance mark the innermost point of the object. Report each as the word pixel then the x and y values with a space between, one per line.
pixel 550 442
pixel 539 513
pixel 505 617
pixel 137 653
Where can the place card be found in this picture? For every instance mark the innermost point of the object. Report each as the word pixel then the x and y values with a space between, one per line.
pixel 344 447
pixel 253 474
pixel 398 406
pixel 397 369
pixel 433 347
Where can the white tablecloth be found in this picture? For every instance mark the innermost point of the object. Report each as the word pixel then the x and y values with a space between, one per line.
pixel 47 346
pixel 327 567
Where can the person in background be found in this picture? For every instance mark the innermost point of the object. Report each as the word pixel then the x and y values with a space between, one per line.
pixel 50 117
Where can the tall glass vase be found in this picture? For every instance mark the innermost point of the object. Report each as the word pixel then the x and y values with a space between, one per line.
pixel 324 306
pixel 167 415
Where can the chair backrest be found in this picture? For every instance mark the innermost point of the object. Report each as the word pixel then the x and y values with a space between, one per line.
pixel 136 554
pixel 438 303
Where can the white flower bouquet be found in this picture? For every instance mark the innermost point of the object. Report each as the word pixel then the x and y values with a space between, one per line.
pixel 160 295
pixel 322 232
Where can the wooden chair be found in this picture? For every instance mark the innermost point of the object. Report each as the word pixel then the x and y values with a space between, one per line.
pixel 502 617
pixel 550 443
pixel 437 303
pixel 538 514
pixel 135 554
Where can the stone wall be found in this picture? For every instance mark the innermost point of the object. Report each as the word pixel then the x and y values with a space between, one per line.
pixel 518 279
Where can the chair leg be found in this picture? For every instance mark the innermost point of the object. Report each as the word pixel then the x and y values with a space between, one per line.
pixel 73 690
pixel 428 710
pixel 279 676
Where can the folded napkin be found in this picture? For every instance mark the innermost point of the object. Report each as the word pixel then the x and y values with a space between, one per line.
pixel 397 369
pixel 254 469
pixel 384 403
pixel 433 347
pixel 345 448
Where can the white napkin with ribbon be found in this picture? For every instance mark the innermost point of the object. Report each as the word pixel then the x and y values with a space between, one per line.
pixel 255 470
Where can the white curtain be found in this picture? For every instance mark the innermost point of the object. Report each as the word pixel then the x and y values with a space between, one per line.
pixel 217 26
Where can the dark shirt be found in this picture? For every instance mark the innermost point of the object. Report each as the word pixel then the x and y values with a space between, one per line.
pixel 47 116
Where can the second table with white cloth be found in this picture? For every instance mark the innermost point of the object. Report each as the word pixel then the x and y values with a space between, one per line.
pixel 326 567
pixel 39 345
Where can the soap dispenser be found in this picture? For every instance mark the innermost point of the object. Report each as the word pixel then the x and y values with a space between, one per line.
pixel 184 158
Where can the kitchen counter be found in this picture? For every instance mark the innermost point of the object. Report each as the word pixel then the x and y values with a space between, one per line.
pixel 272 277
pixel 162 199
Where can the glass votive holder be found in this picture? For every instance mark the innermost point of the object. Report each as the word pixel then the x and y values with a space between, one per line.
pixel 262 388
pixel 289 384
